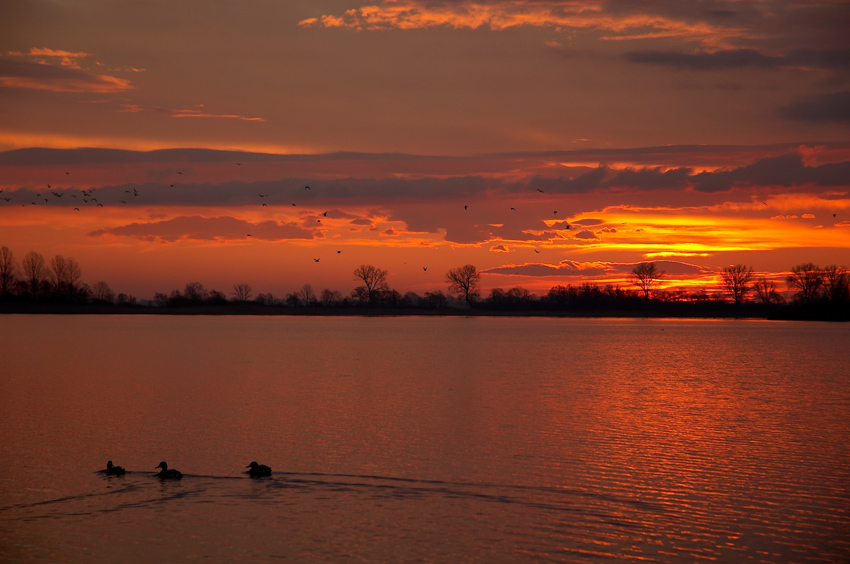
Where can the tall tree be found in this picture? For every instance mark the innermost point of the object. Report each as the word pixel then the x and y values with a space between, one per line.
pixel 374 282
pixel 33 271
pixel 64 275
pixel 463 282
pixel 101 292
pixel 736 279
pixel 836 282
pixel 645 275
pixel 241 292
pixel 8 271
pixel 767 292
pixel 807 279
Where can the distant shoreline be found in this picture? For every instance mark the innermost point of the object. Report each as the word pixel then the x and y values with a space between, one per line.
pixel 652 311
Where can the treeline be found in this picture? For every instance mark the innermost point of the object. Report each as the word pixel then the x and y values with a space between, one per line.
pixel 815 292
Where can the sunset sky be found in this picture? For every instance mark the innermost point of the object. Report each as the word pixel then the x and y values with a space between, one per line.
pixel 545 142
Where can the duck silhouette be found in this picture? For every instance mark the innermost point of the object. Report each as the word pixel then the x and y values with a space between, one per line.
pixel 258 470
pixel 112 470
pixel 167 474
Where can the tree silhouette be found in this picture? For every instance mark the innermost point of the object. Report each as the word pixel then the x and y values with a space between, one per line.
pixel 101 292
pixel 807 279
pixel 645 275
pixel 8 271
pixel 64 274
pixel 241 292
pixel 836 281
pixel 33 269
pixel 374 282
pixel 736 280
pixel 307 294
pixel 195 292
pixel 766 291
pixel 463 281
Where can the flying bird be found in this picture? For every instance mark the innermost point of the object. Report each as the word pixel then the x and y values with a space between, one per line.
pixel 537 251
pixel 513 209
pixel 265 205
pixel 325 214
pixel 466 207
pixel 248 235
pixel 76 209
pixel 555 212
pixel 66 172
pixel 317 260
pixel 307 188
pixel 57 194
pixel 425 268
pixel 339 252
pixel 539 190
pixel 100 205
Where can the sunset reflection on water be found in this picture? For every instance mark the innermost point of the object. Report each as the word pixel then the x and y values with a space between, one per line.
pixel 423 438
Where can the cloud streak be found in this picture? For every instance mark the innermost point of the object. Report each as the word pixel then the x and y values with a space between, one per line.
pixel 207 229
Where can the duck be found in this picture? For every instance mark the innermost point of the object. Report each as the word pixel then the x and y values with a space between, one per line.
pixel 258 470
pixel 167 474
pixel 112 470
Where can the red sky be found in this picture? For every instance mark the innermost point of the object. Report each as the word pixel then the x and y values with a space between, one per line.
pixel 699 134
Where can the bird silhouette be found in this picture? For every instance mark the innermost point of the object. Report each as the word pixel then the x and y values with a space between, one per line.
pixel 265 205
pixel 325 214
pixel 513 209
pixel 167 474
pixel 425 268
pixel 317 260
pixel 307 188
pixel 339 252
pixel 258 470
pixel 466 207
pixel 248 235
pixel 100 205
pixel 76 209
pixel 555 212
pixel 539 190
pixel 537 251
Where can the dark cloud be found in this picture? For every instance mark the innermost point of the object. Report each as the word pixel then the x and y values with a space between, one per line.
pixel 784 170
pixel 742 58
pixel 825 108
pixel 586 235
pixel 207 229
pixel 27 74
pixel 566 268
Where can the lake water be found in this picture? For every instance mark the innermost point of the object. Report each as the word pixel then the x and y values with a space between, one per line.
pixel 424 439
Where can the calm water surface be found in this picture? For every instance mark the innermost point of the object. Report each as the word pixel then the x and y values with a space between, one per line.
pixel 424 439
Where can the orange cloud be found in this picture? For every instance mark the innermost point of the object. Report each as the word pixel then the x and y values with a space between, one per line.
pixel 505 14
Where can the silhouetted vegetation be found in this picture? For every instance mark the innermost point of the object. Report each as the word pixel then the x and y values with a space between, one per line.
pixel 36 285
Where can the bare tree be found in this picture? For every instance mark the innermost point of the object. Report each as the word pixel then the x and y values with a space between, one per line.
pixel 64 275
pixel 836 282
pixel 330 297
pixel 8 271
pixel 307 294
pixel 241 292
pixel 807 279
pixel 101 292
pixel 736 279
pixel 195 292
pixel 645 275
pixel 766 291
pixel 33 271
pixel 463 282
pixel 374 282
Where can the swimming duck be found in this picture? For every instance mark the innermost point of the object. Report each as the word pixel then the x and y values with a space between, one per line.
pixel 258 470
pixel 112 470
pixel 165 473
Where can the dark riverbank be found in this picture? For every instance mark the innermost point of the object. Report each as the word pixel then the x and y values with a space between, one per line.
pixel 819 312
